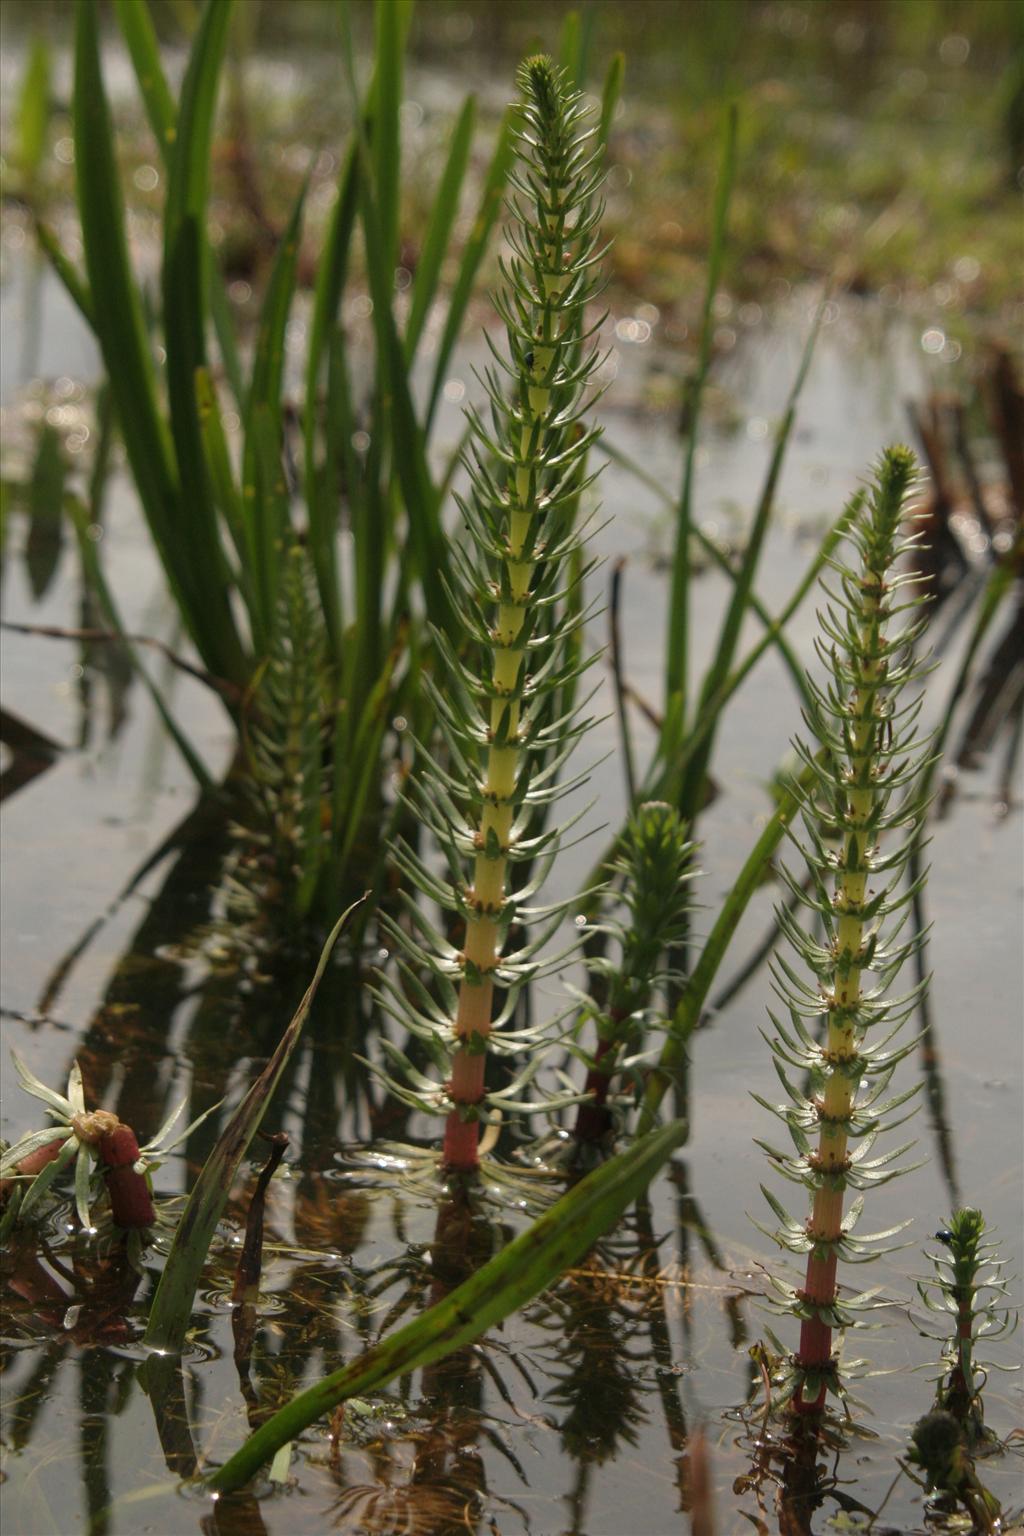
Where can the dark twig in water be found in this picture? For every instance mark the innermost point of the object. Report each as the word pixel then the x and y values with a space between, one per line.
pixel 250 1260
pixel 220 685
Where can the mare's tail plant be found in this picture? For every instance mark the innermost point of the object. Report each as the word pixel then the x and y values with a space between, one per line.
pixel 969 1288
pixel 842 1019
pixel 655 869
pixel 286 739
pixel 517 579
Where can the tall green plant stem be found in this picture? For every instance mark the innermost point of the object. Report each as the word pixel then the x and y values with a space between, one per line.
pixel 508 713
pixel 553 327
pixel 843 1000
pixel 840 1025
pixel 862 773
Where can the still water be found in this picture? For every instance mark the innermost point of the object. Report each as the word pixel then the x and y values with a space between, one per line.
pixel 573 1417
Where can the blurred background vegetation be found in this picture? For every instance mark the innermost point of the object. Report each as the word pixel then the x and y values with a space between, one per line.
pixel 881 141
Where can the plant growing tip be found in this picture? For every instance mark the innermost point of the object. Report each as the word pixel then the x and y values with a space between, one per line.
pixel 517 582
pixel 108 1160
pixel 841 1022
pixel 654 867
pixel 969 1291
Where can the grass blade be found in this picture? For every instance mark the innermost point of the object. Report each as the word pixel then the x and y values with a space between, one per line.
pixel 185 300
pixel 610 96
pixel 260 502
pixel 439 229
pixel 774 627
pixel 136 23
pixel 426 536
pixel 728 639
pixel 528 1264
pixel 490 206
pixel 321 480
pixel 677 657
pixel 391 21
pixel 116 311
pixel 97 581
pixel 218 461
pixel 687 1015
pixel 74 283
pixel 33 114
pixel 172 1304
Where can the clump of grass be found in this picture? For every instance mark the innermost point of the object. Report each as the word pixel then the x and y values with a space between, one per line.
pixel 223 522
pixel 841 1015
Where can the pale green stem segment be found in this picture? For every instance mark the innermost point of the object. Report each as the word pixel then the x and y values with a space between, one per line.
pixel 488 893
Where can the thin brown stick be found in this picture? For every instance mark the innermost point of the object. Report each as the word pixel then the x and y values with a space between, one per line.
pixel 228 691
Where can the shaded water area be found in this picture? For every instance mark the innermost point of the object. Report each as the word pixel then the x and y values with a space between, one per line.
pixel 574 1416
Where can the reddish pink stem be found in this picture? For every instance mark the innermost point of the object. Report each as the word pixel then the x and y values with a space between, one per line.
pixel 131 1203
pixel 462 1137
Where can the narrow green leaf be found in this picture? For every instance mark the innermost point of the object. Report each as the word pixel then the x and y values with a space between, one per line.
pixel 185 299
pixel 774 629
pixel 224 325
pixel 42 1181
pixel 353 790
pixel 268 358
pixel 97 581
pixel 266 496
pixel 45 511
pixel 321 485
pixel 439 228
pixel 391 18
pixel 687 1015
pixel 117 310
pixel 489 208
pixel 39 1090
pixel 172 1304
pixel 218 461
pixel 83 1172
pixel 507 1282
pixel 693 783
pixel 570 49
pixel 262 505
pixel 677 657
pixel 33 115
pixel 426 537
pixel 136 23
pixel 32 1141
pixel 610 96
pixel 75 284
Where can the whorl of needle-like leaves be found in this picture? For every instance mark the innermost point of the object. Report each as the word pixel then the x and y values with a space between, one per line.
pixel 284 730
pixel 506 724
pixel 838 1036
pixel 646 916
pixel 970 1292
pixel 654 869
